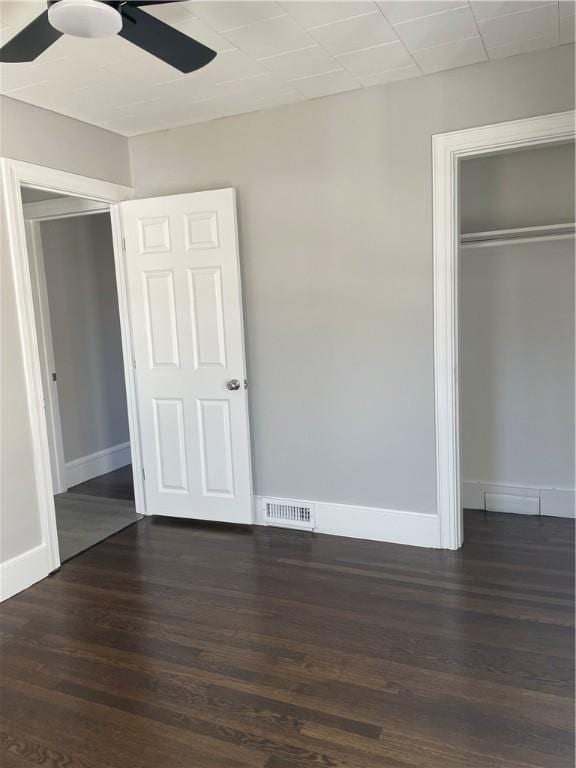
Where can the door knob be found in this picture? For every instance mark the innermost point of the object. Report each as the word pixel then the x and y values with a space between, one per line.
pixel 233 385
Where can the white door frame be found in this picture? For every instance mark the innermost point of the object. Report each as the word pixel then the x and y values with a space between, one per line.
pixel 447 150
pixel 14 174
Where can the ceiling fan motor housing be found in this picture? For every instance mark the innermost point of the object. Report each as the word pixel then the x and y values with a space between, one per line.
pixel 85 18
pixel 106 18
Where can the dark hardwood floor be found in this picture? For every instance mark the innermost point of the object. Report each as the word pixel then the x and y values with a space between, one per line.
pixel 118 484
pixel 180 645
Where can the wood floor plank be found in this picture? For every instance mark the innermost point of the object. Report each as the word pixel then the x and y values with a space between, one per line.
pixel 182 645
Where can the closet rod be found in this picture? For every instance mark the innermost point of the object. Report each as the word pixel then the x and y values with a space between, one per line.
pixel 518 235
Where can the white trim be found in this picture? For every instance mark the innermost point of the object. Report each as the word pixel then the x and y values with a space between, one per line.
pixel 64 183
pixel 447 150
pixel 15 174
pixel 29 344
pixel 128 360
pixel 371 523
pixel 46 354
pixel 554 502
pixel 512 503
pixel 63 208
pixel 24 570
pixel 97 463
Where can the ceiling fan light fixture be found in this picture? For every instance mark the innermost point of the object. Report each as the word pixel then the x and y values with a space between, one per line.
pixel 85 18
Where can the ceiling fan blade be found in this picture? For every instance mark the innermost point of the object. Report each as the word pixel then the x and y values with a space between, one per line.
pixel 152 2
pixel 163 41
pixel 31 41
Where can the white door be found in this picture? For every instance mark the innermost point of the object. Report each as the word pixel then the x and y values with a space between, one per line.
pixel 186 311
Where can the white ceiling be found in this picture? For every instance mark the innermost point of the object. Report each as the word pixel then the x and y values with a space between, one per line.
pixel 271 53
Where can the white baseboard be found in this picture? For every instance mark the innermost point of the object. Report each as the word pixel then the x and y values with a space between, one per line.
pixel 372 523
pixel 87 467
pixel 24 570
pixel 512 503
pixel 554 502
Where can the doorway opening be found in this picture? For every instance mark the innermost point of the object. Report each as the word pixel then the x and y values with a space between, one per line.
pixel 449 150
pixel 516 339
pixel 76 315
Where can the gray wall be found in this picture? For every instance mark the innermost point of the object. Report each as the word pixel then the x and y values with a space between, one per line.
pixel 335 205
pixel 37 136
pixel 19 516
pixel 528 188
pixel 81 283
pixel 42 137
pixel 31 195
pixel 517 364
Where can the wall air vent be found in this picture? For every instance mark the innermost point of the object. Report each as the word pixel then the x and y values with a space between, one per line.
pixel 287 513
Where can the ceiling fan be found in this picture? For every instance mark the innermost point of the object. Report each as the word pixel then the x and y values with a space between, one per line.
pixel 103 18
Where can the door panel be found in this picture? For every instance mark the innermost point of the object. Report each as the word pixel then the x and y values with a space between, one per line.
pixel 207 316
pixel 161 319
pixel 172 467
pixel 216 447
pixel 186 313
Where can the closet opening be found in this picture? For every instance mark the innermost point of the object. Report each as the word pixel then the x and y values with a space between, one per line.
pixel 76 316
pixel 516 276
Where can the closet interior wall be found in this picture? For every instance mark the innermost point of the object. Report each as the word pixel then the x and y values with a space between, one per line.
pixel 516 360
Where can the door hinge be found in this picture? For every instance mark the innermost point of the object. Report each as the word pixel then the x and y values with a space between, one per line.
pixel 54 377
pixel 143 474
pixel 123 243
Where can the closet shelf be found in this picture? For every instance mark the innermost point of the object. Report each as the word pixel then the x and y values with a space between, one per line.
pixel 518 235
